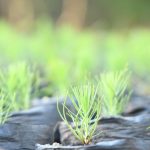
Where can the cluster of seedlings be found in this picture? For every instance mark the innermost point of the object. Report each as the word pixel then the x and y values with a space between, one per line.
pixel 106 97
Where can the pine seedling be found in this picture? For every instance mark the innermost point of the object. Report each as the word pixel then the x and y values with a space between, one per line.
pixel 113 90
pixel 6 106
pixel 87 107
pixel 17 80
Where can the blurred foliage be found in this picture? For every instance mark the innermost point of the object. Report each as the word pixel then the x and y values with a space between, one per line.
pixel 65 56
pixel 17 82
pixel 118 14
pixel 128 48
pixel 17 86
pixel 113 87
pixel 104 13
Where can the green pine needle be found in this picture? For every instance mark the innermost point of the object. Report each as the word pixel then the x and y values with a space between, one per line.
pixel 113 90
pixel 87 107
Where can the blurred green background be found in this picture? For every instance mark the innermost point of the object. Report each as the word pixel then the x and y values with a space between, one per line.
pixel 70 39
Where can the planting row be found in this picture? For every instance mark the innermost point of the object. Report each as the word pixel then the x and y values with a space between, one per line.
pixel 105 96
pixel 18 85
pixel 86 109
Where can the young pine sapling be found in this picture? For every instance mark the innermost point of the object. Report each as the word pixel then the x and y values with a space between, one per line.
pixel 87 107
pixel 6 106
pixel 17 81
pixel 113 90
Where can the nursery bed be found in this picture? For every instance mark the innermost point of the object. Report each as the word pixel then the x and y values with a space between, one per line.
pixel 35 128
